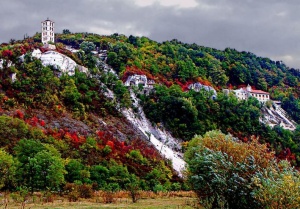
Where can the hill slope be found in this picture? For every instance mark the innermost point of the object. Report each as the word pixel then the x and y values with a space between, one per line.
pixel 82 115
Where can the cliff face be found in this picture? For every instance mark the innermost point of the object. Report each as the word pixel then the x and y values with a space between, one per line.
pixel 275 115
pixel 161 139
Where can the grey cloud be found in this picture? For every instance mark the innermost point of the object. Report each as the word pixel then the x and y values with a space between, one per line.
pixel 268 28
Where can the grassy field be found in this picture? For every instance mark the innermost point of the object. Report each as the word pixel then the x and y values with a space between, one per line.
pixel 161 201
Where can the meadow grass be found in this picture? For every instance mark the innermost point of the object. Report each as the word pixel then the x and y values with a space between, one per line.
pixel 148 200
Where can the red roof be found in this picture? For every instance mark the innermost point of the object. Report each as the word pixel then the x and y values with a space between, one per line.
pixel 258 92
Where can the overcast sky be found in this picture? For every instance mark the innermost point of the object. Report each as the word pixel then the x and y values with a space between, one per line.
pixel 268 28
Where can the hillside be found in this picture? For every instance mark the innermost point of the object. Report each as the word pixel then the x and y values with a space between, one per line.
pixel 107 134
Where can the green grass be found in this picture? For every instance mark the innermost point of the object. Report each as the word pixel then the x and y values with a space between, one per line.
pixel 159 203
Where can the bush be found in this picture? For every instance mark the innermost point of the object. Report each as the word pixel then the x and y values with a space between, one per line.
pixel 73 196
pixel 85 191
pixel 226 173
pixel 106 150
pixel 176 186
pixel 158 188
pixel 220 170
pixel 108 197
pixel 278 187
pixel 71 190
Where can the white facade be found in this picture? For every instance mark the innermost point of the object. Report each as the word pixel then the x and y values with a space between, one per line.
pixel 47 31
pixel 198 86
pixel 136 80
pixel 245 93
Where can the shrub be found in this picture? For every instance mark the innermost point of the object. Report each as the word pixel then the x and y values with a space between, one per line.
pixel 108 197
pixel 225 173
pixel 278 187
pixel 106 150
pixel 71 190
pixel 220 170
pixel 73 196
pixel 175 186
pixel 85 191
pixel 158 188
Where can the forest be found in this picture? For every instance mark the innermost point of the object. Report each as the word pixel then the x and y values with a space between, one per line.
pixel 46 147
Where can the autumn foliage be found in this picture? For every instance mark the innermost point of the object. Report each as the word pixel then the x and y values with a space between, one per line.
pixel 235 149
pixel 224 171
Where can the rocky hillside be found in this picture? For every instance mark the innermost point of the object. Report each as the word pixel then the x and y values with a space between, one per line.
pixel 107 103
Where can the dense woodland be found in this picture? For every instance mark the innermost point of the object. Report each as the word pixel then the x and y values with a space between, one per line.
pixel 97 159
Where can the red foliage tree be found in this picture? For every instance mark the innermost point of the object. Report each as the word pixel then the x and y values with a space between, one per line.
pixel 7 54
pixel 34 121
pixel 19 114
pixel 42 123
pixel 75 139
pixel 111 144
pixel 286 154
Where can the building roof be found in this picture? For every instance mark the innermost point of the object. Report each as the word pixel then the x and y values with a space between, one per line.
pixel 258 91
pixel 48 20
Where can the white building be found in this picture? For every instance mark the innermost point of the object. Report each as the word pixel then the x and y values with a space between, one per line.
pixel 47 31
pixel 135 80
pixel 140 80
pixel 246 92
pixel 198 86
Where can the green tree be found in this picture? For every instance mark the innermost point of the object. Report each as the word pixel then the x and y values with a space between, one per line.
pixel 48 170
pixel 118 174
pixel 220 169
pixel 40 167
pixel 113 60
pixel 133 187
pixel 7 170
pixel 87 47
pixel 71 94
pixel 122 94
pixel 99 174
pixel 11 131
pixel 277 187
pixel 66 31
pixel 74 169
pixel 216 73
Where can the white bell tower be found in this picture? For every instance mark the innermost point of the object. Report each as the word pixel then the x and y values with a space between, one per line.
pixel 47 31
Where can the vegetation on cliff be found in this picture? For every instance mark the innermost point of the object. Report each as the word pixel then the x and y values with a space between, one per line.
pixel 51 135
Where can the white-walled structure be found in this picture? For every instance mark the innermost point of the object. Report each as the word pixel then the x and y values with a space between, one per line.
pixel 198 86
pixel 135 80
pixel 47 31
pixel 246 92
